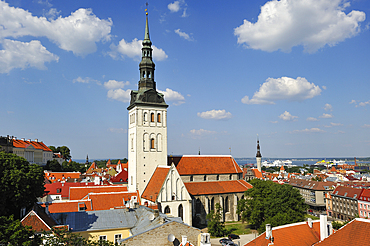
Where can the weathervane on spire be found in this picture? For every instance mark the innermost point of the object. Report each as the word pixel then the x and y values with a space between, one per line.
pixel 146 9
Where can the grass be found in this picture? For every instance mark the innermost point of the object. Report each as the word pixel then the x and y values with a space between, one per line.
pixel 311 216
pixel 237 228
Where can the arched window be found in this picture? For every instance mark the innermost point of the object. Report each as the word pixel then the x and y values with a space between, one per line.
pixel 167 210
pixel 152 143
pixel 146 142
pixel 145 116
pixel 198 206
pixel 152 117
pixel 226 206
pixel 159 117
pixel 213 204
pixel 180 212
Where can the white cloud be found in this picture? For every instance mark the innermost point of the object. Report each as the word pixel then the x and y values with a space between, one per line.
pixel 119 95
pixel 287 116
pixel 22 55
pixel 274 122
pixel 86 80
pixel 353 101
pixel 215 114
pixel 328 107
pixel 366 126
pixel 201 132
pixel 52 14
pixel 114 84
pixel 363 104
pixel 310 23
pixel 133 50
pixel 77 32
pixel 336 124
pixel 175 6
pixel 170 95
pixel 326 116
pixel 308 130
pixel 283 88
pixel 312 119
pixel 184 35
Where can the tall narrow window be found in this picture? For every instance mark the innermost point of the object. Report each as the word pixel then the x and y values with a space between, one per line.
pixel 218 177
pixel 226 208
pixel 180 212
pixel 145 116
pixel 167 210
pixel 152 146
pixel 159 117
pixel 152 117
pixel 198 206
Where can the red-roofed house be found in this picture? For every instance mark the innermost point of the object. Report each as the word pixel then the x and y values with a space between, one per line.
pixel 345 202
pixel 39 220
pixel 364 204
pixel 33 151
pixel 61 176
pixel 78 193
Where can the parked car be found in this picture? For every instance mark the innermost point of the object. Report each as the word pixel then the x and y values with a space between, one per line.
pixel 226 242
pixel 233 236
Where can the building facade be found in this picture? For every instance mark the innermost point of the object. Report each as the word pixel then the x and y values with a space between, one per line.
pixel 345 203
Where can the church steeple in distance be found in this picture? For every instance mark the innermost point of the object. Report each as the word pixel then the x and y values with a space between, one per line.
pixel 147 91
pixel 258 155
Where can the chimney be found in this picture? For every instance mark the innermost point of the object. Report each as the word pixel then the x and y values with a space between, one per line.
pixel 23 139
pixel 156 213
pixel 36 140
pixel 268 231
pixel 184 240
pixel 28 140
pixel 309 222
pixel 323 226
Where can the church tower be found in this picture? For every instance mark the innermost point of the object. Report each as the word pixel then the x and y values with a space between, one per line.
pixel 258 156
pixel 147 133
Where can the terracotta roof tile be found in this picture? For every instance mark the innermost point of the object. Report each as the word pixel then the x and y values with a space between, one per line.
pixel 355 232
pixel 24 144
pixel 189 165
pixel 105 201
pixel 68 206
pixel 291 235
pixel 257 173
pixel 217 187
pixel 61 176
pixel 155 184
pixel 77 193
pixel 353 193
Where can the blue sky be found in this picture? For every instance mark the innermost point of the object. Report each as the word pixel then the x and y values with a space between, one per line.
pixel 294 72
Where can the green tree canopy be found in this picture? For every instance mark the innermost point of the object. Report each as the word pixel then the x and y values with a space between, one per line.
pixel 12 232
pixel 270 203
pixel 20 184
pixel 64 150
pixel 215 226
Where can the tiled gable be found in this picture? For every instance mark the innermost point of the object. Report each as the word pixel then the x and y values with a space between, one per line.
pixel 217 187
pixel 155 184
pixel 197 164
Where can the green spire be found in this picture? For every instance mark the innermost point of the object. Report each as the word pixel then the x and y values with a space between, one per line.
pixel 147 28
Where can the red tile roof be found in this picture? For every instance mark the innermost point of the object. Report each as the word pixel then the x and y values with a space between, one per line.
pixel 121 177
pixel 365 195
pixel 24 144
pixel 353 193
pixel 257 173
pixel 92 167
pixel 38 220
pixel 155 184
pixel 355 232
pixel 217 187
pixel 68 206
pixel 61 176
pixel 105 201
pixel 62 189
pixel 291 235
pixel 77 193
pixel 197 164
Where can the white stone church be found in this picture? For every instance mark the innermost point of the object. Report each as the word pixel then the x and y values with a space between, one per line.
pixel 182 186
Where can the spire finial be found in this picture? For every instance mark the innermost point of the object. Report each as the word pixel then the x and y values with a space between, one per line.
pixel 147 25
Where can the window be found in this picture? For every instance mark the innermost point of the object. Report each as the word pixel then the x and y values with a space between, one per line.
pixel 152 143
pixel 191 178
pixel 103 238
pixel 167 210
pixel 180 212
pixel 231 177
pixel 198 206
pixel 205 178
pixel 218 177
pixel 227 204
pixel 59 190
pixel 145 116
pixel 152 117
pixel 159 117
pixel 117 237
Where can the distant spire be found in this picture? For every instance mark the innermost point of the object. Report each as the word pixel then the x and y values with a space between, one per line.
pixel 258 148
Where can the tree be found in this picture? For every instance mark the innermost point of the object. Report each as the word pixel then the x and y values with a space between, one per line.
pixel 270 203
pixel 20 184
pixel 63 150
pixel 53 165
pixel 215 226
pixel 12 232
pixel 73 167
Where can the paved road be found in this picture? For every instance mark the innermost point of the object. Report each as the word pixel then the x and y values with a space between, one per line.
pixel 243 239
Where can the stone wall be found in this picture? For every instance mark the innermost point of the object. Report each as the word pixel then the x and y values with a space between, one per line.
pixel 159 235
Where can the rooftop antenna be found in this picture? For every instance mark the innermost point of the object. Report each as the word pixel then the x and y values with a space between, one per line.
pixel 199 151
pixel 230 150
